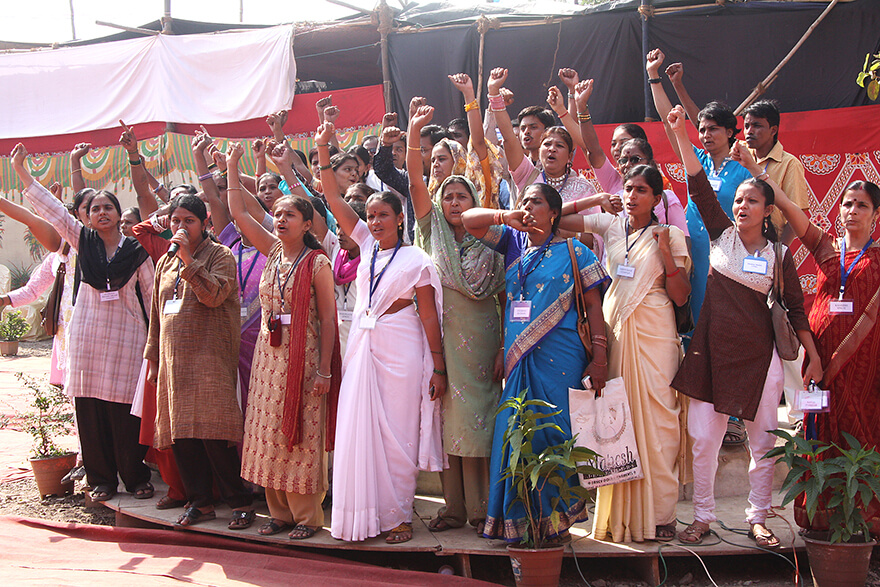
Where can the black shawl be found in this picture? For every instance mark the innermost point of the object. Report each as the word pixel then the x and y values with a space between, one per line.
pixel 97 272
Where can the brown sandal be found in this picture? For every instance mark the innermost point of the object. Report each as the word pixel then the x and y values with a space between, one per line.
pixel 665 533
pixel 694 533
pixel 402 533
pixel 764 537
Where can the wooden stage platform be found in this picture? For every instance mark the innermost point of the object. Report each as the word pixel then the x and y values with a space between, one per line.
pixel 462 543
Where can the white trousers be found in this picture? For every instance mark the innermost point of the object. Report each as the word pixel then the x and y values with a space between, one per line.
pixel 707 427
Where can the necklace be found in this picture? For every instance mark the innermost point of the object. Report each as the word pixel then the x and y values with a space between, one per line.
pixel 555 182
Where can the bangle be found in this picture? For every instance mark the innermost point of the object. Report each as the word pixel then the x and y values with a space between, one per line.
pixel 224 172
pixel 212 166
pixel 605 364
pixel 561 116
pixel 321 375
pixel 439 372
pixel 322 144
pixel 138 162
pixel 654 80
pixel 208 175
pixel 472 105
pixel 76 170
pixel 763 177
pixel 575 206
pixel 584 117
pixel 570 95
pixel 411 148
pixel 158 188
pixel 325 167
pixel 436 352
pixel 496 103
pixel 674 273
pixel 598 337
pixel 232 189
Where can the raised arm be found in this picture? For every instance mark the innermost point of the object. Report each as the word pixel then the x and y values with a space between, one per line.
pixel 282 155
pixel 675 72
pixel 76 177
pixel 512 147
pixel 478 220
pixel 219 212
pixel 146 201
pixel 345 216
pixel 418 191
pixel 259 149
pixel 253 230
pixel 554 99
pixel 675 118
pixel 595 154
pixel 43 201
pixel 570 78
pixel 44 232
pixel 463 84
pixel 796 217
pixel 276 122
pixel 610 203
pixel 653 61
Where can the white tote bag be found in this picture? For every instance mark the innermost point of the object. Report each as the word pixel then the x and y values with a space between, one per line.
pixel 604 425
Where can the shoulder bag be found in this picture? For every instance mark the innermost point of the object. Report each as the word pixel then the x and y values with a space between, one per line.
pixel 684 316
pixel 52 310
pixel 583 325
pixel 787 343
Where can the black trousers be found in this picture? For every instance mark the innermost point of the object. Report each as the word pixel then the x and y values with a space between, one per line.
pixel 108 435
pixel 201 462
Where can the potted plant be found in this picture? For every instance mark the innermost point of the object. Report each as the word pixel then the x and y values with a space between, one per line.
pixel 12 328
pixel 535 559
pixel 843 484
pixel 51 415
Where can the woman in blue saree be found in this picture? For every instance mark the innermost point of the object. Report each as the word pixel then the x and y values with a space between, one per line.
pixel 543 352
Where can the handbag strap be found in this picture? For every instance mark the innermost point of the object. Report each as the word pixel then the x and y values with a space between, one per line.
pixel 578 286
pixel 778 284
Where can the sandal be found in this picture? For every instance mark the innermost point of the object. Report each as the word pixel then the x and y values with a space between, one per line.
pixel 272 527
pixel 143 491
pixel 694 533
pixel 402 533
pixel 665 533
pixel 763 536
pixel 168 502
pixel 193 515
pixel 301 532
pixel 438 524
pixel 241 519
pixel 736 433
pixel 103 493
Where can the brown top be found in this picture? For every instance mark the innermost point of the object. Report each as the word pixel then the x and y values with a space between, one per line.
pixel 728 358
pixel 197 348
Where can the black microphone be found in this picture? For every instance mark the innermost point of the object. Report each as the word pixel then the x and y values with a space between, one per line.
pixel 172 250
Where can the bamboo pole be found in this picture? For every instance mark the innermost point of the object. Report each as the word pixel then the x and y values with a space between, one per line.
pixel 72 23
pixel 762 87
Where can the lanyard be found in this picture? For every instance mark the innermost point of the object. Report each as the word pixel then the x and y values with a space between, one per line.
pixel 533 264
pixel 374 280
pixel 844 271
pixel 626 240
pixel 242 280
pixel 177 281
pixel 281 287
pixel 107 271
pixel 345 288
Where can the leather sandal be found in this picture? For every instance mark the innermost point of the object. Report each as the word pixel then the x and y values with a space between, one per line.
pixel 301 532
pixel 400 534
pixel 193 515
pixel 764 537
pixel 143 491
pixel 665 533
pixel 241 519
pixel 103 493
pixel 272 527
pixel 694 533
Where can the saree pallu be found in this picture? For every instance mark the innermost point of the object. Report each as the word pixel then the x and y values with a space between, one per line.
pixel 645 350
pixel 544 357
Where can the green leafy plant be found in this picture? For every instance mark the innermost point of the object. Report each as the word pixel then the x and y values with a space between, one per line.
pixel 846 482
pixel 19 275
pixel 869 77
pixel 531 472
pixel 52 415
pixel 13 326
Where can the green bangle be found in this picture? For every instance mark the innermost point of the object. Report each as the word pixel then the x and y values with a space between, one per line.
pixel 440 372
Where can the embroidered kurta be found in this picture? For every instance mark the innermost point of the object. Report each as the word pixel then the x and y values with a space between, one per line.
pixel 105 339
pixel 196 348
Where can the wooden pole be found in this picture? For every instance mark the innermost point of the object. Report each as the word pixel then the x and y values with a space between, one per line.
pixel 385 24
pixel 646 11
pixel 72 23
pixel 130 29
pixel 762 87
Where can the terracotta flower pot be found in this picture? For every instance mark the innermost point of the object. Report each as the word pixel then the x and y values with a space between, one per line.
pixel 8 348
pixel 839 565
pixel 539 567
pixel 49 471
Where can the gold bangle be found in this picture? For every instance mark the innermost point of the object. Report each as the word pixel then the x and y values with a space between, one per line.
pixel 76 170
pixel 473 105
pixel 411 148
pixel 586 118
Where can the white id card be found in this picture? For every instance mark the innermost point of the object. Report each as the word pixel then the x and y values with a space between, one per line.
pixel 755 265
pixel 244 311
pixel 285 319
pixel 368 322
pixel 172 306
pixel 626 271
pixel 715 182
pixel 840 307
pixel 345 315
pixel 521 311
pixel 812 399
pixel 109 296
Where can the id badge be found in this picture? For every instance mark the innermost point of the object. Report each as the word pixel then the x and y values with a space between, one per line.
pixel 626 271
pixel 244 311
pixel 345 315
pixel 368 322
pixel 172 306
pixel 521 311
pixel 755 265
pixel 715 182
pixel 109 296
pixel 840 307
pixel 285 319
pixel 812 400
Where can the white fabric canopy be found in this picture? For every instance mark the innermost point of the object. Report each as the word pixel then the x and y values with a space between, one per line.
pixel 200 79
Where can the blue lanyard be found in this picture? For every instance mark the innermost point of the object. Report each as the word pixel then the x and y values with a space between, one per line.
pixel 533 264
pixel 844 271
pixel 281 287
pixel 177 281
pixel 242 280
pixel 626 240
pixel 374 281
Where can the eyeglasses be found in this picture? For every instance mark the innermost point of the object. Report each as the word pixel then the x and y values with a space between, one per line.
pixel 632 159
